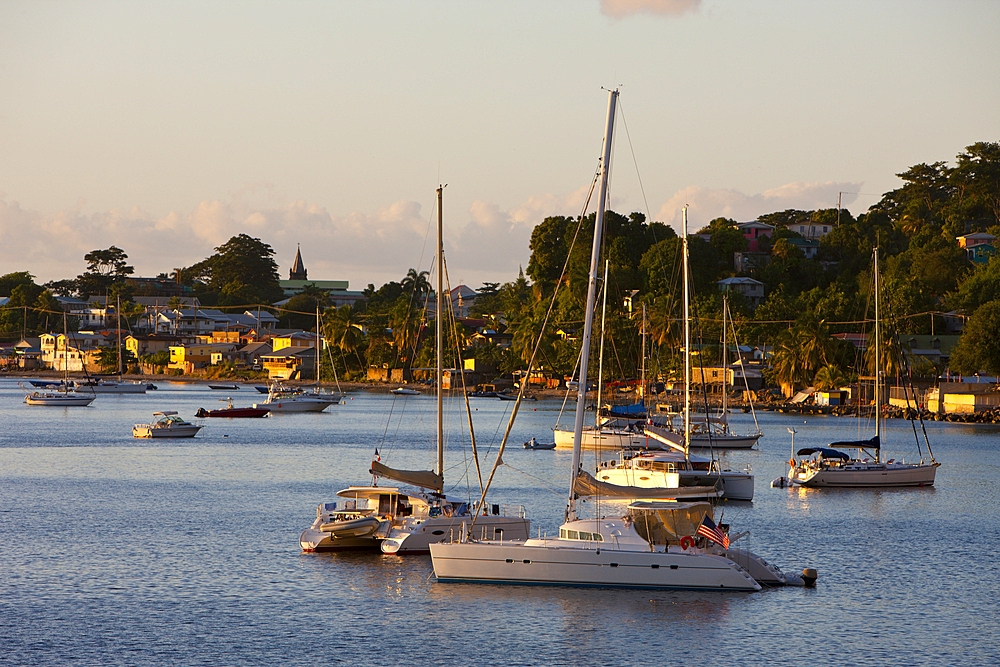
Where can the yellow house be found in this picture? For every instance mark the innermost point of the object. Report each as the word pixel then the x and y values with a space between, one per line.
pixel 198 355
pixel 297 339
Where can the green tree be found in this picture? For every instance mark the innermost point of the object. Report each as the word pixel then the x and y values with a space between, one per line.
pixel 243 271
pixel 11 280
pixel 978 350
pixel 105 269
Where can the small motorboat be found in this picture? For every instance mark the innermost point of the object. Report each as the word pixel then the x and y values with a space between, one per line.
pixel 169 425
pixel 262 389
pixel 230 411
pixel 404 391
pixel 534 444
pixel 223 386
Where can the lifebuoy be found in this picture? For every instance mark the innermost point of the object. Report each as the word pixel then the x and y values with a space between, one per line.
pixel 448 510
pixel 791 462
pixel 687 541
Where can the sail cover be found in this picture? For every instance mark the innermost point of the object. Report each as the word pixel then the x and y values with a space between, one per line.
pixel 427 479
pixel 857 444
pixel 664 523
pixel 588 485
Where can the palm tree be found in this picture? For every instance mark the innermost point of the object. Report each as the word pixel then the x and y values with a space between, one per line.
pixel 416 284
pixel 405 322
pixel 343 330
pixel 829 377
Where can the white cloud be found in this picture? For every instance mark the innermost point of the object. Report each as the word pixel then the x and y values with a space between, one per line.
pixel 488 243
pixel 620 8
pixel 706 204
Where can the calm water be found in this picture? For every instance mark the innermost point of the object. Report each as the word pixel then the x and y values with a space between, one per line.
pixel 116 551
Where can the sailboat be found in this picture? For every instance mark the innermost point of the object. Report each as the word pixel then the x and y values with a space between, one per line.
pixel 831 467
pixel 409 522
pixel 64 396
pixel 656 544
pixel 102 386
pixel 675 469
pixel 614 432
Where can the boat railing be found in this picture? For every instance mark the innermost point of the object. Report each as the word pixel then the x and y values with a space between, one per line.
pixel 504 510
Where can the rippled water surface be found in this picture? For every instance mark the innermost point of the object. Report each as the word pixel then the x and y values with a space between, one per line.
pixel 117 551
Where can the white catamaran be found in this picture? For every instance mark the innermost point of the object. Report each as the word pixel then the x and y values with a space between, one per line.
pixel 656 544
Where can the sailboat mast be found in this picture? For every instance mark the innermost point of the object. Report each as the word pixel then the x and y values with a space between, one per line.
pixel 319 345
pixel 643 389
pixel 118 316
pixel 440 338
pixel 878 364
pixel 687 338
pixel 588 322
pixel 725 365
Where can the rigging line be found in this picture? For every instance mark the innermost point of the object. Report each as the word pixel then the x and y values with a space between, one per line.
pixel 638 176
pixel 465 389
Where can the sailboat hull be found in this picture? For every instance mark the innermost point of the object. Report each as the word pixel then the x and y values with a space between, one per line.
pixel 723 441
pixel 547 564
pixel 611 439
pixel 734 485
pixel 864 475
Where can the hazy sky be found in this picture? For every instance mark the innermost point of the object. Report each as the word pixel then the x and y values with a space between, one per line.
pixel 165 128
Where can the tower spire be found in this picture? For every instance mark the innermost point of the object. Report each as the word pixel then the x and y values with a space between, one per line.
pixel 298 271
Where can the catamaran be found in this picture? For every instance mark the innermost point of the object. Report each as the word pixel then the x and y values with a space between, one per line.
pixel 655 544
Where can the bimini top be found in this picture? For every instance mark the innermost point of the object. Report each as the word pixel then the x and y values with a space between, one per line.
pixel 857 444
pixel 825 452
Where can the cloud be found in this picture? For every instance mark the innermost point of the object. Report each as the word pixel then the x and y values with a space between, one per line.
pixel 621 8
pixel 486 244
pixel 706 204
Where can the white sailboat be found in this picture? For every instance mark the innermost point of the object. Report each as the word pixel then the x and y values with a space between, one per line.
pixel 64 396
pixel 654 545
pixel 439 517
pixel 831 467
pixel 103 386
pixel 673 471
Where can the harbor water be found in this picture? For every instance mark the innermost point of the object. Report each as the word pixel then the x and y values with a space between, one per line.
pixel 121 551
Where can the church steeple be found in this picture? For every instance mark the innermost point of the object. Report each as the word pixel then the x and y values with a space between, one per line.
pixel 298 271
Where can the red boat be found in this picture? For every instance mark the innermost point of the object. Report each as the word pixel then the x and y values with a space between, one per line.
pixel 230 411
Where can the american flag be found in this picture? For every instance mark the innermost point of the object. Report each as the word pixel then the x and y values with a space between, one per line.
pixel 712 532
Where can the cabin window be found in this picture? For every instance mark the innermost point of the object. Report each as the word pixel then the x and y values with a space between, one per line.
pixel 584 536
pixel 572 535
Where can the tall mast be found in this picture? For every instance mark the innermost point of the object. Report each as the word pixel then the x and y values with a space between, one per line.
pixel 725 366
pixel 687 338
pixel 878 365
pixel 643 389
pixel 588 322
pixel 600 356
pixel 118 316
pixel 440 338
pixel 319 345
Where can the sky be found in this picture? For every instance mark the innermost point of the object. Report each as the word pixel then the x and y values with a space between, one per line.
pixel 166 128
